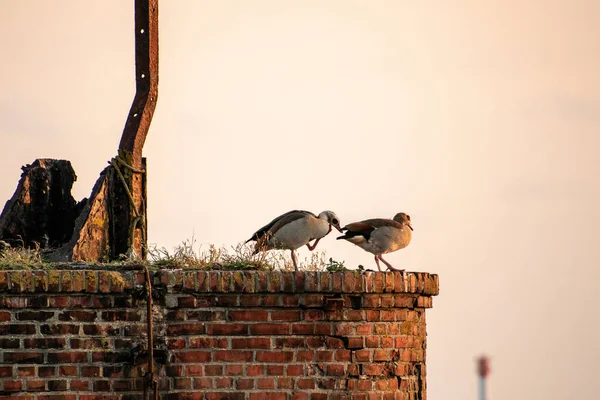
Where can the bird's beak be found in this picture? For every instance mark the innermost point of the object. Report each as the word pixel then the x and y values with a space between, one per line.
pixel 338 228
pixel 411 228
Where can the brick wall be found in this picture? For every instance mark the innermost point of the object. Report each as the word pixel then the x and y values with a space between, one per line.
pixel 218 335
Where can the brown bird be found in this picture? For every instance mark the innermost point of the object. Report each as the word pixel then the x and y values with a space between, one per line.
pixel 380 236
pixel 293 230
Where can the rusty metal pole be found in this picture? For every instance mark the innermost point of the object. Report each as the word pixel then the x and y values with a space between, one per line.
pixel 128 227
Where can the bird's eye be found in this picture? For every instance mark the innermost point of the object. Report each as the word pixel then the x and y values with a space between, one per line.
pixel 334 221
pixel 408 217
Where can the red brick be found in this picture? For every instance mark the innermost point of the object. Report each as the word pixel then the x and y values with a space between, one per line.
pixel 270 329
pixel 90 372
pixel 101 386
pixel 305 383
pixel 213 370
pixel 45 372
pixel 59 329
pixel 313 315
pixel 78 385
pixel 45 343
pixel 227 329
pixel 226 301
pixel 202 383
pixel 336 369
pixel 67 357
pixel 274 356
pixel 6 371
pixel 234 369
pixel 267 396
pixel 255 370
pixel 324 356
pixel 373 369
pixel 323 329
pixel 9 343
pixel 67 370
pixel 290 301
pixel 372 341
pixel 335 343
pixel 265 383
pixel 77 281
pixel 275 370
pixel 34 315
pixel 194 370
pixel 244 384
pixel 250 343
pixel 312 300
pixel 249 315
pixel 13 386
pixel 23 371
pixel 77 315
pixel 35 385
pixel 125 385
pixel 318 396
pixel 305 355
pixel 232 356
pixel 57 385
pixel 285 383
pixel 187 329
pixel 91 281
pixel 356 342
pixel 191 356
pixel 224 395
pixel 122 316
pixel 4 316
pixel 23 357
pixel 303 329
pixel 343 355
pixel 221 383
pixel 301 395
pixel 208 343
pixel 286 315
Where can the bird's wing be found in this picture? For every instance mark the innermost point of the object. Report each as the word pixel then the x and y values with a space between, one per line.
pixel 278 222
pixel 362 228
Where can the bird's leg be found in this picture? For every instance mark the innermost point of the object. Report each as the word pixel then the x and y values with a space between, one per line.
pixel 377 262
pixel 390 265
pixel 311 248
pixel 295 261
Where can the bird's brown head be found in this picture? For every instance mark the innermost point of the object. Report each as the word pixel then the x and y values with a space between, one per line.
pixel 404 219
pixel 333 219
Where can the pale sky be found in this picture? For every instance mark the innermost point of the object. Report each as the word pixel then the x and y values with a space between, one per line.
pixel 480 119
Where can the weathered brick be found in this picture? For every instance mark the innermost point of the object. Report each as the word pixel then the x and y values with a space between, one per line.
pixel 244 384
pixel 79 385
pixel 9 343
pixel 250 343
pixel 13 385
pixel 25 371
pixel 286 315
pixel 232 356
pixel 34 315
pixel 45 343
pixel 213 370
pixel 35 385
pixel 234 369
pixel 190 329
pixel 248 315
pixel 267 396
pixel 67 357
pixel 227 329
pixel 77 315
pixel 224 395
pixel 57 385
pixel 6 371
pixel 23 357
pixel 274 356
pixel 270 329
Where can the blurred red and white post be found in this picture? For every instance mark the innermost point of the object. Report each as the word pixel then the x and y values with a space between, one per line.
pixel 483 370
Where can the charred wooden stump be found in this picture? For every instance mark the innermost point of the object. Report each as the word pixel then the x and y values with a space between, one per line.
pixel 42 210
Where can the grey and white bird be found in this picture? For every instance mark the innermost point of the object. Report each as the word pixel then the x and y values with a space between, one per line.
pixel 380 236
pixel 293 230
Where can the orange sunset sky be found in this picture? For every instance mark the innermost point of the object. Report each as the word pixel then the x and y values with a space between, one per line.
pixel 480 119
